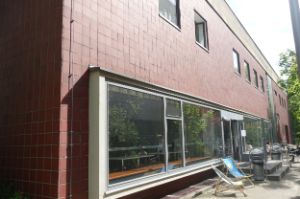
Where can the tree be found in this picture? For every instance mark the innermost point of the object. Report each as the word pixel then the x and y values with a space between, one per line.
pixel 291 84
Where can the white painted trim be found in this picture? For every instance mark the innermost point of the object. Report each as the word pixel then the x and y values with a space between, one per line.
pixel 99 187
pixel 97 172
pixel 94 126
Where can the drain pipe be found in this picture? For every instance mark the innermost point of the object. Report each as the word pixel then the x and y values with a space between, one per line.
pixel 71 103
pixel 295 16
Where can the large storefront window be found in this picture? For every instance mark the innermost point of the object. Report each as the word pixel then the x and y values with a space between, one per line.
pixel 136 134
pixel 203 135
pixel 151 133
pixel 254 137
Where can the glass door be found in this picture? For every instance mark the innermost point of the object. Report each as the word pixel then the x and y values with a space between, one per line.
pixel 227 138
pixel 174 134
pixel 236 127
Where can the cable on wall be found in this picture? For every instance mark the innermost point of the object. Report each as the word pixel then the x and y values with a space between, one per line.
pixel 71 105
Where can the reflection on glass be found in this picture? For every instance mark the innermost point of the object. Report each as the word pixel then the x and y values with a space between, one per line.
pixel 254 136
pixel 203 137
pixel 174 144
pixel 173 108
pixel 227 138
pixel 168 8
pixel 136 134
pixel 236 61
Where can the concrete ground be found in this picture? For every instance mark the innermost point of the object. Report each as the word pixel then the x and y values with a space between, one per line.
pixel 287 188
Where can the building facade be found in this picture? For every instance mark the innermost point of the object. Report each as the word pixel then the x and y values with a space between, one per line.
pixel 112 99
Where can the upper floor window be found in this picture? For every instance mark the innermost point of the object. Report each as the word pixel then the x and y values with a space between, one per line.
pixel 255 78
pixel 262 83
pixel 247 71
pixel 236 61
pixel 201 30
pixel 280 102
pixel 284 102
pixel 169 9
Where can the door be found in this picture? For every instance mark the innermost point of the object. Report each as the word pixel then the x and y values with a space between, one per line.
pixel 232 138
pixel 228 147
pixel 236 127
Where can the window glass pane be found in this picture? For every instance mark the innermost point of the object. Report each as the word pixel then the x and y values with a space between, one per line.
pixel 136 134
pixel 247 71
pixel 227 138
pixel 255 78
pixel 200 30
pixel 173 108
pixel 254 136
pixel 200 38
pixel 174 144
pixel 168 8
pixel 236 61
pixel 203 135
pixel 262 84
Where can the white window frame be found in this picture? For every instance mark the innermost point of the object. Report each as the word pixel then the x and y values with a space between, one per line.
pixel 98 144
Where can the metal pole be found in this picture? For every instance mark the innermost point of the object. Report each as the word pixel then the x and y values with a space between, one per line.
pixel 295 15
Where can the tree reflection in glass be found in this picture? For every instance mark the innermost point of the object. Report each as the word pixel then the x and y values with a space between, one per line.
pixel 174 143
pixel 203 138
pixel 136 129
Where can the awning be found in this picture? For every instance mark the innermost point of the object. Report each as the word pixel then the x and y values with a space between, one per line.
pixel 226 115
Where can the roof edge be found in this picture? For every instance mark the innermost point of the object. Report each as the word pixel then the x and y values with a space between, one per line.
pixel 232 21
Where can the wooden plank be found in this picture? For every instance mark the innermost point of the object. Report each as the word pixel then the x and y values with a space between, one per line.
pixel 150 168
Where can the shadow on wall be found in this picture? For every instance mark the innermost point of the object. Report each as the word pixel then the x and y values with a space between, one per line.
pixel 76 101
pixel 30 76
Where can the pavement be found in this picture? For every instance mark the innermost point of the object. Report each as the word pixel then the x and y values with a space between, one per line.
pixel 287 188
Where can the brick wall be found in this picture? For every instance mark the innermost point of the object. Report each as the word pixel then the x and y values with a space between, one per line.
pixel 128 37
pixel 282 114
pixel 132 39
pixel 30 71
pixel 44 81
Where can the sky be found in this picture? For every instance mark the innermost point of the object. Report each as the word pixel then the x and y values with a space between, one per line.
pixel 269 24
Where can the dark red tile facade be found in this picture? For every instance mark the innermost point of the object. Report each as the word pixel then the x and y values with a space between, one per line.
pixel 30 73
pixel 45 56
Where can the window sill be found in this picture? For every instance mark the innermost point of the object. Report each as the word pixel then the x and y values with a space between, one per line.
pixel 237 73
pixel 204 48
pixel 249 82
pixel 129 187
pixel 170 22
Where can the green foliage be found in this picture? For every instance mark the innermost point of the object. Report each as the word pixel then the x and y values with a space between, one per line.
pixel 196 122
pixel 254 132
pixel 122 128
pixel 8 191
pixel 291 84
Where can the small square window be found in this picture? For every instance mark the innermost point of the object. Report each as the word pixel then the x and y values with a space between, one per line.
pixel 201 30
pixel 247 71
pixel 169 9
pixel 255 78
pixel 173 108
pixel 236 61
pixel 262 84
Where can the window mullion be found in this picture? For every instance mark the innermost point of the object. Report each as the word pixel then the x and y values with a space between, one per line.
pixel 166 135
pixel 182 134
